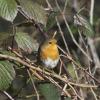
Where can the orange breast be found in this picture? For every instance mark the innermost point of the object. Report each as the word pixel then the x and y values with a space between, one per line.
pixel 50 51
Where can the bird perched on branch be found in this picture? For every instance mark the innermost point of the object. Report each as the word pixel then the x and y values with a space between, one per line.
pixel 49 54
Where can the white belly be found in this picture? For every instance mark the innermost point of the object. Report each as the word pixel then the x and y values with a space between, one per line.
pixel 50 63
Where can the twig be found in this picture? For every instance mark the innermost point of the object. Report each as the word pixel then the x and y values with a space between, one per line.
pixel 55 33
pixel 81 39
pixel 75 91
pixel 94 54
pixel 93 93
pixel 32 20
pixel 36 74
pixel 8 95
pixel 75 40
pixel 21 56
pixel 64 88
pixel 69 58
pixel 91 76
pixel 49 5
pixel 56 84
pixel 65 6
pixel 65 43
pixel 62 35
pixel 91 12
pixel 71 34
pixel 64 67
pixel 33 85
pixel 16 53
pixel 45 72
pixel 79 66
pixel 90 41
pixel 60 70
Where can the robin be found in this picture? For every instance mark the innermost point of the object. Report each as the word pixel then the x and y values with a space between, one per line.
pixel 49 54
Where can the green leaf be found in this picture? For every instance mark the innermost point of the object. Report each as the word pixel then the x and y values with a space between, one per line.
pixel 8 9
pixel 71 71
pixel 25 42
pixel 33 11
pixel 7 74
pixel 49 91
pixel 81 21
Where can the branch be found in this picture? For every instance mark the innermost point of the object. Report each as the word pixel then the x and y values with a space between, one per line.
pixel 45 72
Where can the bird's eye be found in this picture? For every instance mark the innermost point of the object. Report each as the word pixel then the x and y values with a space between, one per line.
pixel 50 42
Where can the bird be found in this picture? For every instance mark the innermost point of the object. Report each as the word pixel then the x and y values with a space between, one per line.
pixel 49 53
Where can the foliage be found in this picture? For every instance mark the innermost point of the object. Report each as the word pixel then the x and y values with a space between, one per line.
pixel 8 9
pixel 7 74
pixel 25 42
pixel 24 25
pixel 49 91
